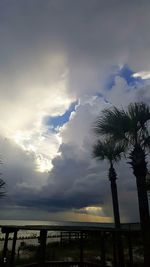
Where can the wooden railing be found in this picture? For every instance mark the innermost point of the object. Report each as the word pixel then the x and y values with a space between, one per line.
pixel 83 233
pixel 63 264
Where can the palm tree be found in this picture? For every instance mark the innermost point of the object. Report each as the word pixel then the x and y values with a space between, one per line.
pixel 112 152
pixel 131 129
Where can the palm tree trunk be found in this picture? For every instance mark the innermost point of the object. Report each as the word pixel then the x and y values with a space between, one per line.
pixel 112 178
pixel 115 204
pixel 143 201
pixel 144 218
pixel 139 165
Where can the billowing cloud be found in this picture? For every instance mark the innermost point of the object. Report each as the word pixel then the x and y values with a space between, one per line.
pixel 55 53
pixel 76 182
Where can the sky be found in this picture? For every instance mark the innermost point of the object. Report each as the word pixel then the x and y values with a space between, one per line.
pixel 62 63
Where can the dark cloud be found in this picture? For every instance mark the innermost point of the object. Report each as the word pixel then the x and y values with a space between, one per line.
pixel 77 43
pixel 76 182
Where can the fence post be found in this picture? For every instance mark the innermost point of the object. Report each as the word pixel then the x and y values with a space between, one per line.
pixel 114 249
pixel 130 251
pixel 12 258
pixel 103 249
pixel 81 248
pixel 43 236
pixel 4 254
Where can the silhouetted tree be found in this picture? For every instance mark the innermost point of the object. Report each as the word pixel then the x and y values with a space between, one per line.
pixel 112 152
pixel 130 128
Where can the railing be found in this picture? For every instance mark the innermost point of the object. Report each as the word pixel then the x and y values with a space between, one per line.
pixel 62 264
pixel 104 239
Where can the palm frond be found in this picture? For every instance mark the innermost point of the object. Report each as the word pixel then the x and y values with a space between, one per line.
pixel 140 113
pixel 146 142
pixel 112 122
pixel 130 127
pixel 109 150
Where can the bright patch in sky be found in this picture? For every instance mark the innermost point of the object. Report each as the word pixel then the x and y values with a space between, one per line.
pixel 142 74
pixel 93 210
pixel 42 139
pixel 54 53
pixel 43 147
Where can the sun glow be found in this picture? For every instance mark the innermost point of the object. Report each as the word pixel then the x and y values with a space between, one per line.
pixel 23 139
pixel 43 148
pixel 93 209
pixel 43 164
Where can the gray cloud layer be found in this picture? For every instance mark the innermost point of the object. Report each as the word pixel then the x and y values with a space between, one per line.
pixel 92 35
pixel 53 52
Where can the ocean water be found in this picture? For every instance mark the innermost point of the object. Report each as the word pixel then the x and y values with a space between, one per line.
pixel 29 222
pixel 27 233
pixel 26 222
pixel 24 233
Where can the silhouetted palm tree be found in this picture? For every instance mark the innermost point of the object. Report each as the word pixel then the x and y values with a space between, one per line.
pixel 112 152
pixel 131 129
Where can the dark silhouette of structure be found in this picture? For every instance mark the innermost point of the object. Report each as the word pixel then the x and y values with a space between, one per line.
pixel 99 234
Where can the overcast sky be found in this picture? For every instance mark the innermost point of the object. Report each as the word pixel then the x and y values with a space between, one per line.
pixel 61 63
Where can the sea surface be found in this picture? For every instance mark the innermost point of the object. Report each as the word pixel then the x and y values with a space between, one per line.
pixel 27 222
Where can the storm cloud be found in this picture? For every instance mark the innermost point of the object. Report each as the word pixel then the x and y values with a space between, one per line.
pixel 54 53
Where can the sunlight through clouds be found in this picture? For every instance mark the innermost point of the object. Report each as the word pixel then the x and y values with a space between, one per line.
pixel 43 147
pixel 46 95
pixel 92 210
pixel 62 62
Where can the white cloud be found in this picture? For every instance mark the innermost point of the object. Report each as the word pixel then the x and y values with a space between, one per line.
pixel 142 74
pixel 79 128
pixel 121 94
pixel 76 181
pixel 35 95
pixel 18 170
pixel 52 53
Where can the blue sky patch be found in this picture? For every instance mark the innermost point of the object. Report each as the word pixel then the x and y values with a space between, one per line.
pixel 57 121
pixel 127 74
